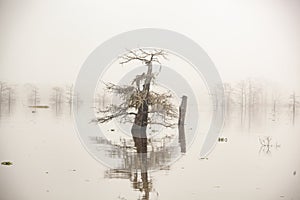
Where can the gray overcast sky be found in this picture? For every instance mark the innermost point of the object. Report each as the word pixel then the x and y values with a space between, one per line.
pixel 47 41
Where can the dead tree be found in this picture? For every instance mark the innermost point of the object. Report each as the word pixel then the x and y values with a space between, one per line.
pixel 248 97
pixel 34 97
pixel 3 87
pixel 240 93
pixel 57 98
pixel 100 100
pixel 77 101
pixel 3 92
pixel 139 105
pixel 275 103
pixel 293 103
pixel 69 97
pixel 228 90
pixel 249 102
pixel 10 97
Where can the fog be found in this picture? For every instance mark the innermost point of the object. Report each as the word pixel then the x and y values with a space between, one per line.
pixel 255 47
pixel 48 41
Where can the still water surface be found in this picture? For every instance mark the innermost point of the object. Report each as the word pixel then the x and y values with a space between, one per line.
pixel 49 162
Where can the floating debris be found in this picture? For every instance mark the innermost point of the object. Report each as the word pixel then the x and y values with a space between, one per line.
pixel 294 173
pixel 112 129
pixel 204 158
pixel 38 106
pixel 222 139
pixel 7 163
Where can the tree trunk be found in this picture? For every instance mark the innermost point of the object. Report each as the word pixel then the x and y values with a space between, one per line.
pixel 139 127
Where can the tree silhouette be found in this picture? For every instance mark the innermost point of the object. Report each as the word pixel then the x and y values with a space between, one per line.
pixel 140 105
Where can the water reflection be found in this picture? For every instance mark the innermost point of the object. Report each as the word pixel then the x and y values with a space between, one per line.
pixel 267 145
pixel 137 167
pixel 159 155
pixel 140 181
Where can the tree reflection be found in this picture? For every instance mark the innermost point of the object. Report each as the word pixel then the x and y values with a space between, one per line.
pixel 137 167
pixel 267 145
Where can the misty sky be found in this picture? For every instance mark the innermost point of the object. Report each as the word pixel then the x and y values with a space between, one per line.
pixel 47 41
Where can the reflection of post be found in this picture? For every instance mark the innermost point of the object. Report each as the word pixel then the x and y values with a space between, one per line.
pixel 182 111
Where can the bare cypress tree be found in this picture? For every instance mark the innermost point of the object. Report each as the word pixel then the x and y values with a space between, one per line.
pixel 34 97
pixel 293 103
pixel 3 90
pixel 228 91
pixel 100 99
pixel 241 98
pixel 138 101
pixel 70 97
pixel 57 98
pixel 10 97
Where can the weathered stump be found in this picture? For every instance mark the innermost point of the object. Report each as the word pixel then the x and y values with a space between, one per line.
pixel 182 113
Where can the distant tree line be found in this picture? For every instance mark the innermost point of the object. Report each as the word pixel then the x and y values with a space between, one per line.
pixel 245 96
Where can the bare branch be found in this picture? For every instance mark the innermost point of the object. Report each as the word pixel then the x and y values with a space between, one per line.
pixel 145 56
pixel 134 98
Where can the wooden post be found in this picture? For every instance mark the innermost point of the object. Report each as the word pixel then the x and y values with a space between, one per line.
pixel 182 112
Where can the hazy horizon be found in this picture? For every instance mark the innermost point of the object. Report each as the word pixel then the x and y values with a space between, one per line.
pixel 47 42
